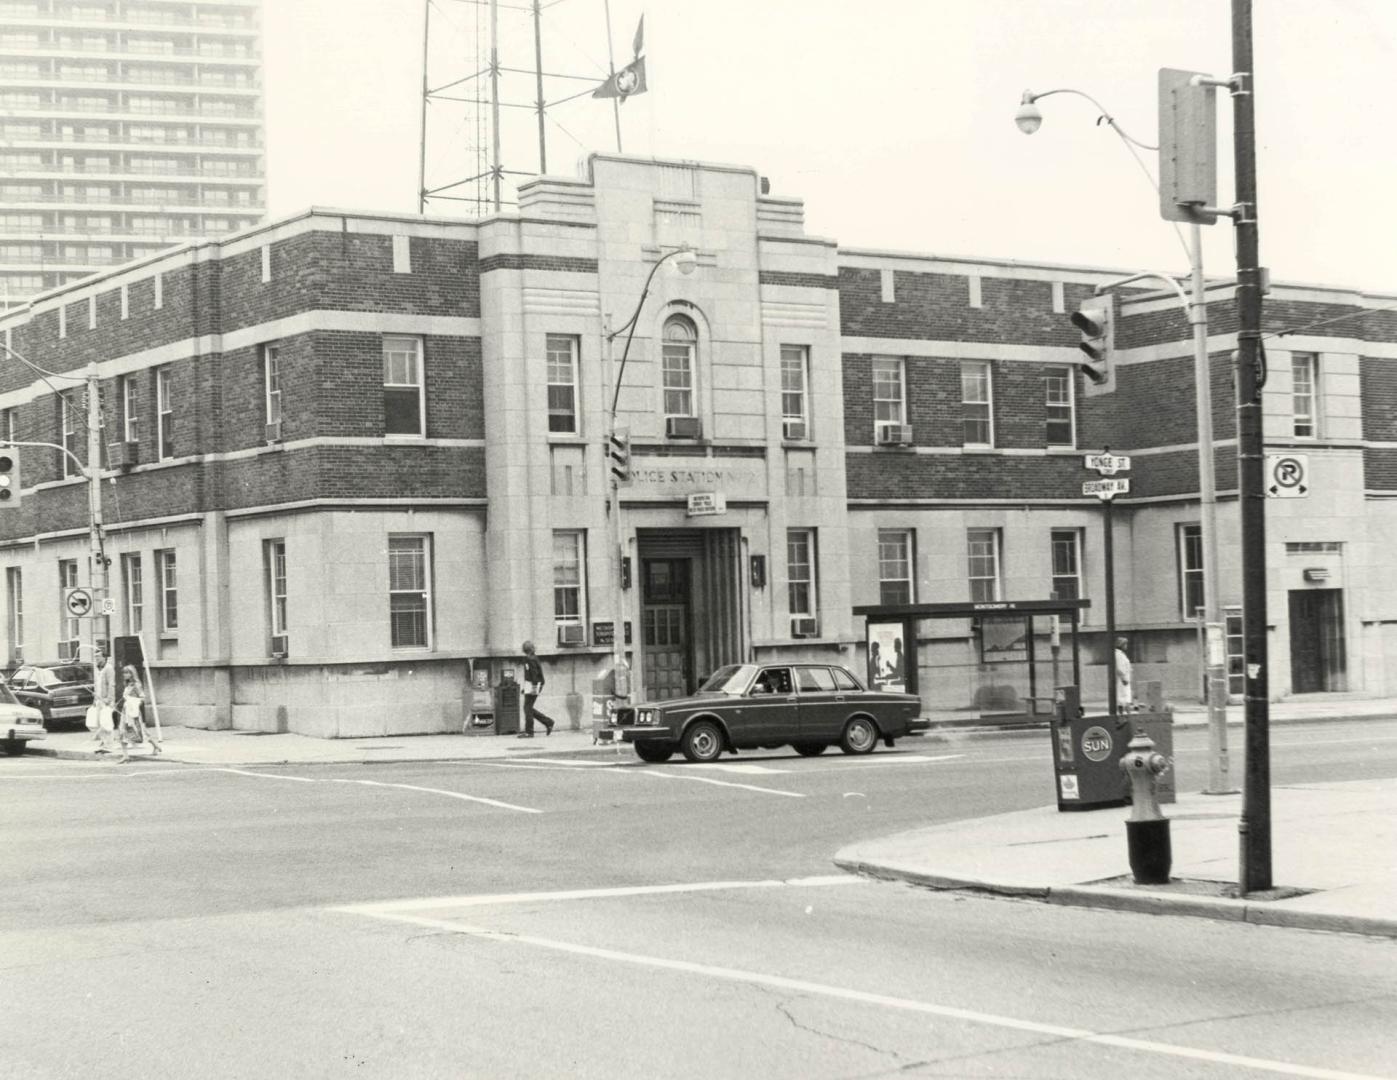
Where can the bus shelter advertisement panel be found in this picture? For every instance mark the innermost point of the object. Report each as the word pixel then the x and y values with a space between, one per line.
pixel 887 657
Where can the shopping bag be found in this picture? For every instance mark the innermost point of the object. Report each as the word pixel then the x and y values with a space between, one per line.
pixel 105 718
pixel 91 718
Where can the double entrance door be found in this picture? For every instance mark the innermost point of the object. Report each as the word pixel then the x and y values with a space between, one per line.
pixel 692 616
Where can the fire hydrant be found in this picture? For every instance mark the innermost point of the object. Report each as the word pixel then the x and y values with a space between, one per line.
pixel 1147 830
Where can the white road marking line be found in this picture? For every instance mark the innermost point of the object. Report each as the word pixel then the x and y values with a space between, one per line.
pixel 886 760
pixel 801 986
pixel 496 899
pixel 381 783
pixel 744 770
pixel 710 780
pixel 437 791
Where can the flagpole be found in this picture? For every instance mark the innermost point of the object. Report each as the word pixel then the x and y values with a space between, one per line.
pixel 538 77
pixel 496 167
pixel 611 62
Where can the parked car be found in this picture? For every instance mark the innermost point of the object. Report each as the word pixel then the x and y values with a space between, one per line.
pixel 743 706
pixel 60 689
pixel 18 723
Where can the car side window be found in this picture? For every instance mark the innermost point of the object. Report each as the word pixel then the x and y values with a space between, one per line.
pixel 843 680
pixel 774 681
pixel 20 677
pixel 814 680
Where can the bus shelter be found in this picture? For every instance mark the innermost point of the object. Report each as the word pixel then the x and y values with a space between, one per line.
pixel 999 660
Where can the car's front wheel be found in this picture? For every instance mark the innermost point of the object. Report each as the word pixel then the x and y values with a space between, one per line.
pixel 860 736
pixel 809 749
pixel 13 747
pixel 702 742
pixel 653 750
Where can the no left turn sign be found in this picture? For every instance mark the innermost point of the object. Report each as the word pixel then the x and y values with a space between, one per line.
pixel 77 602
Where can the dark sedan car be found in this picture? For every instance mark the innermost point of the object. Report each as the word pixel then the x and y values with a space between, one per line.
pixel 60 689
pixel 743 706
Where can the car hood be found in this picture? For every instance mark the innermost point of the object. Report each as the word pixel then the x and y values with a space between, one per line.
pixel 19 714
pixel 692 701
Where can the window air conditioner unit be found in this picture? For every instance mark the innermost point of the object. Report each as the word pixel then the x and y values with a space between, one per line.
pixel 572 634
pixel 125 454
pixel 278 646
pixel 274 431
pixel 793 430
pixel 894 435
pixel 804 626
pixel 682 427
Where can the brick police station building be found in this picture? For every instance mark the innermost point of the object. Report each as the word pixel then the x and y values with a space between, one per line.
pixel 350 457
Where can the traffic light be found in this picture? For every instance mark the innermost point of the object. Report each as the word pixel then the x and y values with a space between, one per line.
pixel 619 452
pixel 9 477
pixel 1094 320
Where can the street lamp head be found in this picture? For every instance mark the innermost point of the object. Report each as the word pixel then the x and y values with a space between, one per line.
pixel 1028 117
pixel 686 259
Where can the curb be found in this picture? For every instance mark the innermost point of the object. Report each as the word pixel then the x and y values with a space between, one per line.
pixel 1101 898
pixel 175 759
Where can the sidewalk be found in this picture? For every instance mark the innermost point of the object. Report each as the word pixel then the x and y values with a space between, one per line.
pixel 194 746
pixel 1334 843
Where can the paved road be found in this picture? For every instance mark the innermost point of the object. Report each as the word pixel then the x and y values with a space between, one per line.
pixel 596 917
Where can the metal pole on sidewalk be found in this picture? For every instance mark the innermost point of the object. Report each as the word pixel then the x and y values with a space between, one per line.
pixel 1110 547
pixel 1254 829
pixel 97 560
pixel 1214 657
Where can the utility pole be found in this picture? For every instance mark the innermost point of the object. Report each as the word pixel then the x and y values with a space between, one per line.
pixel 538 80
pixel 1254 829
pixel 98 576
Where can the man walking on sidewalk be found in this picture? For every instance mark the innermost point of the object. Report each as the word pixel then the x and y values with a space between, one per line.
pixel 533 686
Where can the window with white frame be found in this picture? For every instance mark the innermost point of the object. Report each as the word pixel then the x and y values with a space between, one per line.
pixel 1057 393
pixel 165 411
pixel 677 362
pixel 562 352
pixel 569 558
pixel 800 572
pixel 795 378
pixel 403 412
pixel 71 409
pixel 895 567
pixel 983 548
pixel 133 593
pixel 274 569
pixel 130 409
pixel 1189 543
pixel 271 382
pixel 976 404
pixel 14 611
pixel 889 391
pixel 1304 395
pixel 1067 564
pixel 69 627
pixel 168 584
pixel 409 591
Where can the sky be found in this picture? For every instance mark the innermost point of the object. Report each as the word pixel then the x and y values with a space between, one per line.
pixel 892 119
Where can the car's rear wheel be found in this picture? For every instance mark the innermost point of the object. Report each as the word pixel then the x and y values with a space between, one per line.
pixel 13 747
pixel 703 742
pixel 809 749
pixel 653 750
pixel 860 736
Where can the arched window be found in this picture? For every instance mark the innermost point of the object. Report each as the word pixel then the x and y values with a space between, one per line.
pixel 677 363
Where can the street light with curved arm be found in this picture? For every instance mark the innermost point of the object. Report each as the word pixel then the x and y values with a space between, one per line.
pixel 685 259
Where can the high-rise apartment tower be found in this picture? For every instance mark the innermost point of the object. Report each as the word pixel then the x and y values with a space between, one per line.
pixel 126 126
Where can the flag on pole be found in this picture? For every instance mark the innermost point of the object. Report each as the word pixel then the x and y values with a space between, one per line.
pixel 631 78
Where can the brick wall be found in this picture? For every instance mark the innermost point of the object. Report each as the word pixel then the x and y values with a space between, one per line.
pixel 901 474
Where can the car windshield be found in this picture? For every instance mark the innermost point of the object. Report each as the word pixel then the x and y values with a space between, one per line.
pixel 57 675
pixel 731 679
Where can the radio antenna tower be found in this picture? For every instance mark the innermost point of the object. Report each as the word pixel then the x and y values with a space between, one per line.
pixel 461 113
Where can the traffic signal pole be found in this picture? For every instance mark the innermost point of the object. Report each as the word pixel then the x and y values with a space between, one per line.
pixel 1254 829
pixel 98 577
